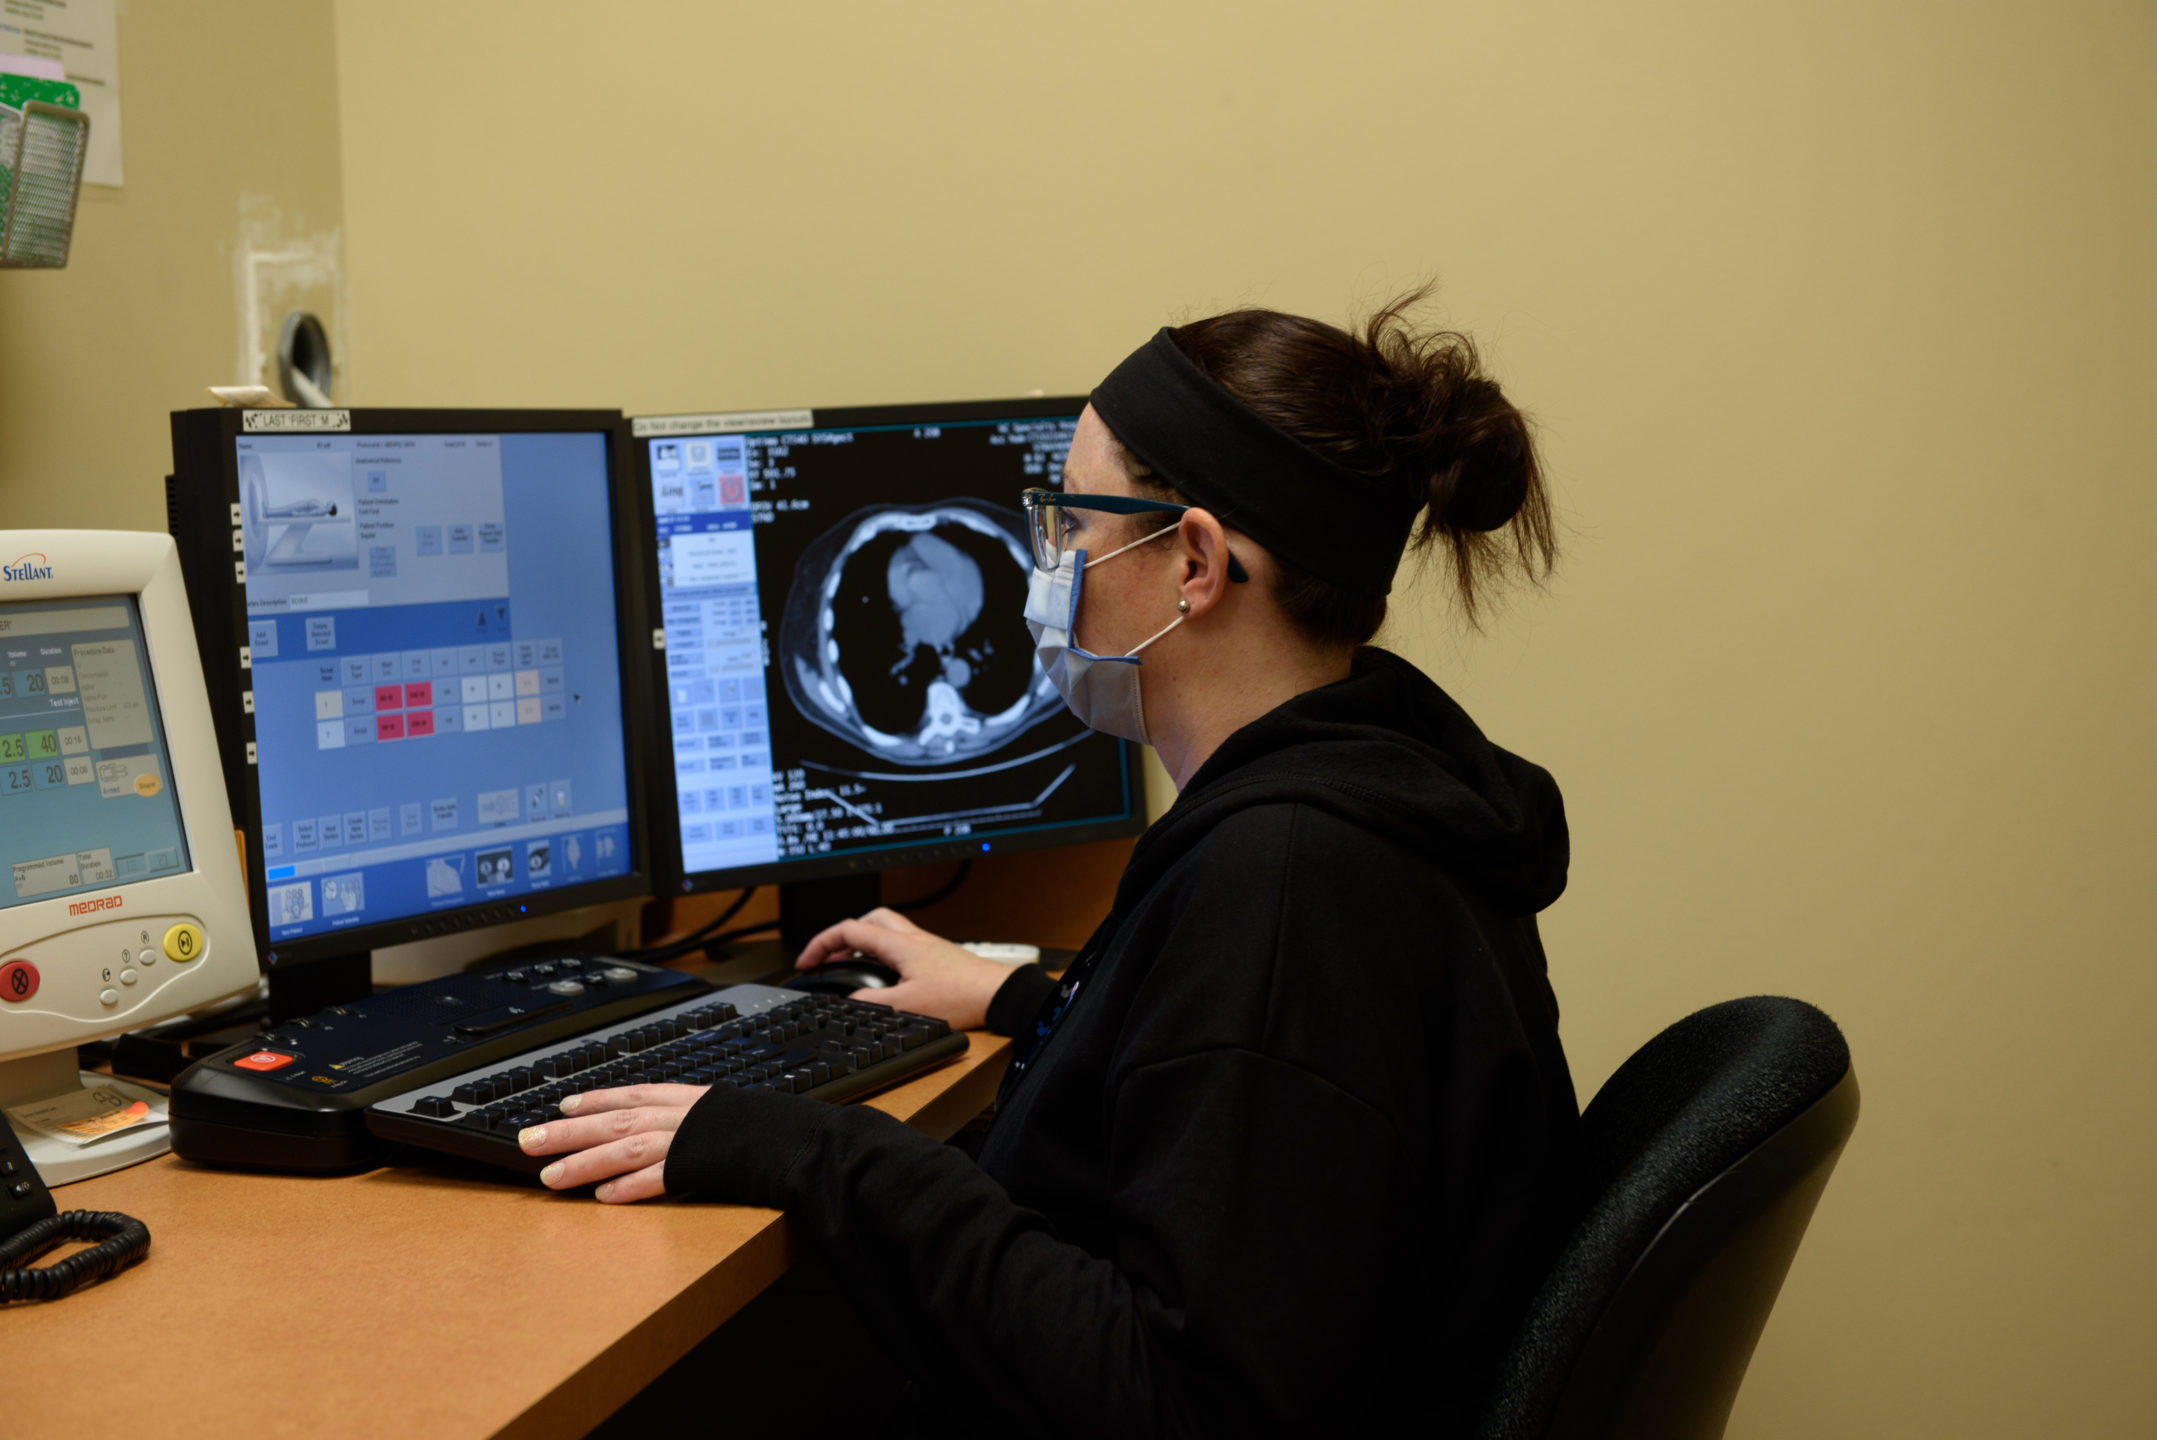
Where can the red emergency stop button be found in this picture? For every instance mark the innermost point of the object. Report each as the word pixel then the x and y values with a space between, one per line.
pixel 18 981
pixel 264 1060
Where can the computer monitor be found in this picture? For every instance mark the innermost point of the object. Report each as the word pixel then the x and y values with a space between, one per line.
pixel 848 683
pixel 123 902
pixel 423 641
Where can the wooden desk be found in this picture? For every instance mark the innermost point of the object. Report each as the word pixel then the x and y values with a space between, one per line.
pixel 400 1302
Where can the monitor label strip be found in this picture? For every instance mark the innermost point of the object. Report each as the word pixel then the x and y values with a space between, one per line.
pixel 729 423
pixel 276 422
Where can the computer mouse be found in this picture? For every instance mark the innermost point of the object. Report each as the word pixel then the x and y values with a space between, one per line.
pixel 844 977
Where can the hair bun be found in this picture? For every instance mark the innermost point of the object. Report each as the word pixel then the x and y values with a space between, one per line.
pixel 1407 407
pixel 1480 464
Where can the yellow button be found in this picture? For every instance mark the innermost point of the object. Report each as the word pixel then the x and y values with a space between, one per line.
pixel 183 941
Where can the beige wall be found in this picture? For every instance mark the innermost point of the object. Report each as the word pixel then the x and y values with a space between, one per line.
pixel 231 125
pixel 1839 322
pixel 1839 325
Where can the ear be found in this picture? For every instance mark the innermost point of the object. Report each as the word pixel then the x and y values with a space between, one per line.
pixel 1203 561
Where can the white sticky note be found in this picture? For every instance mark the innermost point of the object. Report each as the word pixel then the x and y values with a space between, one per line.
pixel 32 66
pixel 114 706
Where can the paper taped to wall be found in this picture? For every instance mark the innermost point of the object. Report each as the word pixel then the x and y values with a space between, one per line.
pixel 82 36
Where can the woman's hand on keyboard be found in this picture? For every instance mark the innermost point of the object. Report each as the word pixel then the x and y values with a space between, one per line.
pixel 619 1137
pixel 936 977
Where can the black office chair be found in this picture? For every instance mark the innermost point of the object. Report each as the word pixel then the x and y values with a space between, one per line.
pixel 1704 1154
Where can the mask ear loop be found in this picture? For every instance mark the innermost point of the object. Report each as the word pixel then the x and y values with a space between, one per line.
pixel 1084 566
pixel 1132 546
pixel 1237 575
pixel 1133 651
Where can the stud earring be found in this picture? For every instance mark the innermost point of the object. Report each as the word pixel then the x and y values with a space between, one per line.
pixel 1183 607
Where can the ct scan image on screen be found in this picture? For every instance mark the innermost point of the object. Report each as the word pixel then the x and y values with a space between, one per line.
pixel 848 662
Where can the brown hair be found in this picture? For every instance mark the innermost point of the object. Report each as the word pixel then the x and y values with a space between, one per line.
pixel 1393 403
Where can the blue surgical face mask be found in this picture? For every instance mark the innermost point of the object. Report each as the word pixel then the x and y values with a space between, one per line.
pixel 1102 690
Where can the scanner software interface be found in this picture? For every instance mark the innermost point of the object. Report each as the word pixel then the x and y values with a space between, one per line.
pixel 437 687
pixel 848 663
pixel 86 799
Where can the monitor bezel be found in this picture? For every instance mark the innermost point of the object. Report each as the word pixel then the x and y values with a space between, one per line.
pixel 670 877
pixel 88 564
pixel 204 444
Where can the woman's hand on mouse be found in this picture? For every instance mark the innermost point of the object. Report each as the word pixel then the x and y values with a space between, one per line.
pixel 936 977
pixel 618 1137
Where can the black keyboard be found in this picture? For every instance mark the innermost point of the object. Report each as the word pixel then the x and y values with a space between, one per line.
pixel 758 1037
pixel 295 1096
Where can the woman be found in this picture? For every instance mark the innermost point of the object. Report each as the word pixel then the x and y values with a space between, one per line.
pixel 1291 1143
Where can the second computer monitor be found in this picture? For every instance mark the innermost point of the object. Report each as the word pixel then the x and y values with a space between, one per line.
pixel 435 727
pixel 849 681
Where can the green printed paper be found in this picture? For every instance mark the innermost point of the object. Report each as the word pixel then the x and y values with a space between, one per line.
pixel 16 90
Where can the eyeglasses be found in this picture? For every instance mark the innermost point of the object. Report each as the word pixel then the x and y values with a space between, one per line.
pixel 1049 525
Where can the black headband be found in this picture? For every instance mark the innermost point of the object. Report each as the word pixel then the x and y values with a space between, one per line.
pixel 1340 526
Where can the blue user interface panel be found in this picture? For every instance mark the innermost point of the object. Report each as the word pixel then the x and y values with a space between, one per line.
pixel 86 799
pixel 848 664
pixel 437 683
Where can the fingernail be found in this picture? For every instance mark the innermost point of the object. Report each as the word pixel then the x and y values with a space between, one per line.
pixel 532 1137
pixel 570 1104
pixel 604 1191
pixel 551 1174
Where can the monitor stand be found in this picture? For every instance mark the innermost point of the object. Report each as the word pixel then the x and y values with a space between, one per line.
pixel 313 985
pixel 160 1052
pixel 805 907
pixel 54 1075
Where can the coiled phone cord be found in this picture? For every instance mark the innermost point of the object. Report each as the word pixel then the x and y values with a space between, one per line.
pixel 123 1240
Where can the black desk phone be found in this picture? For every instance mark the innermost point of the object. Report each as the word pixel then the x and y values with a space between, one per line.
pixel 30 1226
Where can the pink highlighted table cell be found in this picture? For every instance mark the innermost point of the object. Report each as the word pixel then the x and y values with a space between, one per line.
pixel 391 727
pixel 418 723
pixel 388 697
pixel 419 695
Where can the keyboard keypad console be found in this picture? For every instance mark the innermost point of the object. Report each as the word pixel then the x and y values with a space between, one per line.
pixel 295 1097
pixel 757 1037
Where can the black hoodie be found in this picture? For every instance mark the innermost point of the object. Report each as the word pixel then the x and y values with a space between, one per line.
pixel 1289 1147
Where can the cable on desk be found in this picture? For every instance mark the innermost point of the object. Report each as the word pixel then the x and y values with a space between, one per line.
pixel 744 932
pixel 966 868
pixel 695 939
pixel 124 1240
pixel 713 943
